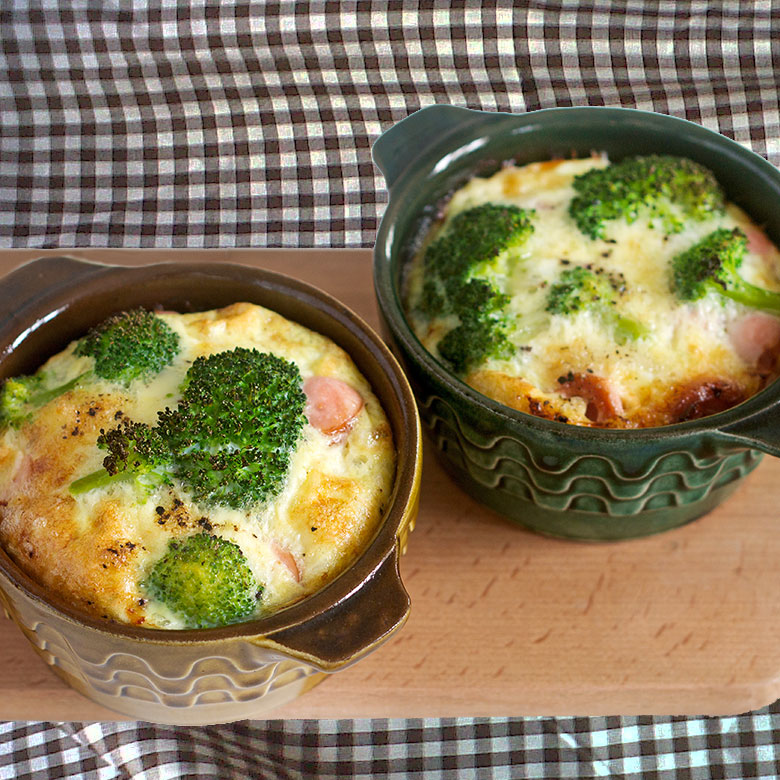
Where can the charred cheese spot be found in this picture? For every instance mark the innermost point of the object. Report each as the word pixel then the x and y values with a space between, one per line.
pixel 720 341
pixel 94 549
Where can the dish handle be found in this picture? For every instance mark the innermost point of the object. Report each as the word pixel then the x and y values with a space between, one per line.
pixel 759 431
pixel 44 275
pixel 352 627
pixel 401 144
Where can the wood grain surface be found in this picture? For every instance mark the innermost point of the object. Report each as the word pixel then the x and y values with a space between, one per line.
pixel 508 623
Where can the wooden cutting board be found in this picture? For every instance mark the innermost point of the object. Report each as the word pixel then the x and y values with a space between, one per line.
pixel 508 623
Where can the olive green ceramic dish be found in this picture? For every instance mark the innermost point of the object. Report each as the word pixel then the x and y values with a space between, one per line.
pixel 239 671
pixel 560 479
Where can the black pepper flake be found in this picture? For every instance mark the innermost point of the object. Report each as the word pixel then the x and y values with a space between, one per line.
pixel 141 602
pixel 161 521
pixel 75 431
pixel 118 416
pixel 130 545
pixel 112 550
pixel 204 522
pixel 562 380
pixel 313 528
pixel 160 510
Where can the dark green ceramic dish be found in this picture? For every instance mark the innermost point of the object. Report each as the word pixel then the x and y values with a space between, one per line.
pixel 560 479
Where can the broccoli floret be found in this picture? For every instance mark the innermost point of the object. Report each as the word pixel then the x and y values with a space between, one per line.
pixel 472 240
pixel 658 186
pixel 205 580
pixel 234 430
pixel 473 340
pixel 229 440
pixel 129 346
pixel 132 345
pixel 136 452
pixel 712 265
pixel 454 267
pixel 22 395
pixel 580 288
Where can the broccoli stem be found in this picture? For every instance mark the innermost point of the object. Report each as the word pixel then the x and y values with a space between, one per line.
pixel 97 479
pixel 748 294
pixel 146 481
pixel 37 400
pixel 712 265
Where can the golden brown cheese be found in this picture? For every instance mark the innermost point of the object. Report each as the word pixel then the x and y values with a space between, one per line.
pixel 95 548
pixel 696 359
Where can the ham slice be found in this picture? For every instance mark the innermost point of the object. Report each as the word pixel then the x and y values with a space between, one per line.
pixel 757 241
pixel 756 339
pixel 286 558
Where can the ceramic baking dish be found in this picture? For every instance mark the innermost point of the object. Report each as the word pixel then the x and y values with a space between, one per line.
pixel 559 479
pixel 242 670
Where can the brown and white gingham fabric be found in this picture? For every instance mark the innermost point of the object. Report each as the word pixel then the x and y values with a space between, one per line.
pixel 452 749
pixel 218 123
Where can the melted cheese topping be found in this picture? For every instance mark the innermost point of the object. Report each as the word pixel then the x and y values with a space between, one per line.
pixel 96 547
pixel 713 352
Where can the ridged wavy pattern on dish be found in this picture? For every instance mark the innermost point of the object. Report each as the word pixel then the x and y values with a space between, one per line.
pixel 169 677
pixel 248 680
pixel 581 482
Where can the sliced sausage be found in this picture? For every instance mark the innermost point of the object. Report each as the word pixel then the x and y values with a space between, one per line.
pixel 705 397
pixel 331 404
pixel 603 401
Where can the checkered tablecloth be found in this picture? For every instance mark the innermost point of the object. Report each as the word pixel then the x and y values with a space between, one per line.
pixel 194 123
